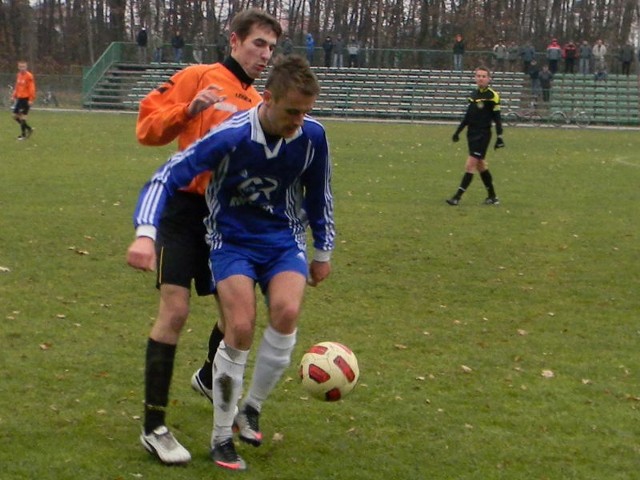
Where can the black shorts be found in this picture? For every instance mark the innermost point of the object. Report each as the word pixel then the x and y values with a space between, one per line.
pixel 182 251
pixel 478 141
pixel 21 106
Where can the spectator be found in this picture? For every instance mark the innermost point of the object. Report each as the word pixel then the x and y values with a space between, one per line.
pixel 327 46
pixel 310 45
pixel 338 52
pixel 545 77
pixel 156 43
pixel 584 54
pixel 198 47
pixel 177 42
pixel 458 52
pixel 142 39
pixel 287 45
pixel 500 53
pixel 554 54
pixel 513 52
pixel 527 53
pixel 353 49
pixel 626 57
pixel 222 46
pixel 599 52
pixel 534 71
pixel 569 53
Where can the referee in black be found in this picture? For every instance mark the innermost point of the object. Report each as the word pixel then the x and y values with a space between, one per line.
pixel 483 110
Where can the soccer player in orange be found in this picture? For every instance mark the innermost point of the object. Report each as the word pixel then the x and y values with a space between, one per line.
pixel 186 107
pixel 24 94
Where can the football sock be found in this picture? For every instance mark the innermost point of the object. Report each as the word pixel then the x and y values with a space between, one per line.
pixel 157 379
pixel 487 179
pixel 227 387
pixel 274 356
pixel 205 372
pixel 464 184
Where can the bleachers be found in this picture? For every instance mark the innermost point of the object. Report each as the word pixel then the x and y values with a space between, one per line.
pixel 123 85
pixel 615 100
pixel 400 94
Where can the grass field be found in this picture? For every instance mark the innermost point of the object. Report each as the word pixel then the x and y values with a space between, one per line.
pixel 494 342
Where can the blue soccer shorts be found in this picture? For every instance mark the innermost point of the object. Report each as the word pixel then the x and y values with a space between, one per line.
pixel 260 264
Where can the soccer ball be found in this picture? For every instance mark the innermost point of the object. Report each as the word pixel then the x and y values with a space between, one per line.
pixel 329 371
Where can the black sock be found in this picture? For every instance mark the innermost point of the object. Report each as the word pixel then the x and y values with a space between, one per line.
pixel 487 179
pixel 157 380
pixel 464 184
pixel 205 374
pixel 23 126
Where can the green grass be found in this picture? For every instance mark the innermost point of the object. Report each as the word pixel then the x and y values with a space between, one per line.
pixel 454 313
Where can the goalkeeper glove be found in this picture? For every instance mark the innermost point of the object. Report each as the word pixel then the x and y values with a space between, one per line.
pixel 499 143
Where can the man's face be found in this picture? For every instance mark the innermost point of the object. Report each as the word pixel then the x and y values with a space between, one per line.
pixel 284 116
pixel 254 52
pixel 482 78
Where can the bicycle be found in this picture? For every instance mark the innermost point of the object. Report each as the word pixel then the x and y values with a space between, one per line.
pixel 10 99
pixel 577 116
pixel 49 98
pixel 525 115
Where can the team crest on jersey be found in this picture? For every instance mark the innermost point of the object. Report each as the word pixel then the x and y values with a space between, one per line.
pixel 256 191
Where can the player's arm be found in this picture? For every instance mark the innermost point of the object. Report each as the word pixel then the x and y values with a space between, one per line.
pixel 165 112
pixel 456 135
pixel 176 173
pixel 32 90
pixel 319 208
pixel 497 119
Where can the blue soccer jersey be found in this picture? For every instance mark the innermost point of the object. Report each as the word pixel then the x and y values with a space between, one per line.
pixel 263 193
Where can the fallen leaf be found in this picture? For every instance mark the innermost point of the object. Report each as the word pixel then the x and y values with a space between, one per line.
pixel 399 346
pixel 522 332
pixel 45 346
pixel 4 269
pixel 277 437
pixel 466 369
pixel 548 374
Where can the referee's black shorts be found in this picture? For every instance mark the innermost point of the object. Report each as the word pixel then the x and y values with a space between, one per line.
pixel 21 106
pixel 182 251
pixel 478 141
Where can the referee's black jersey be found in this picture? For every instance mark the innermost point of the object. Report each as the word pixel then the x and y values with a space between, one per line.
pixel 484 108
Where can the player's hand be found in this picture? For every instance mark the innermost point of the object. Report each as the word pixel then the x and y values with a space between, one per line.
pixel 142 254
pixel 455 138
pixel 499 143
pixel 318 271
pixel 204 99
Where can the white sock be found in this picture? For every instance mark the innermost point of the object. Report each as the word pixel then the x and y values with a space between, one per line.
pixel 229 364
pixel 274 356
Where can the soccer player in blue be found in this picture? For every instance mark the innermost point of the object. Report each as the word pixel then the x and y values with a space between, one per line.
pixel 271 179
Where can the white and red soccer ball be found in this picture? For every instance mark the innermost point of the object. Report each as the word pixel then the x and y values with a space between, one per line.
pixel 329 371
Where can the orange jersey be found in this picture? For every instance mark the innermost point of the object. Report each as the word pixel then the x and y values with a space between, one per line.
pixel 25 86
pixel 163 112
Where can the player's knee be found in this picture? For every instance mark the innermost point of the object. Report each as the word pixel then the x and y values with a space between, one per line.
pixel 284 316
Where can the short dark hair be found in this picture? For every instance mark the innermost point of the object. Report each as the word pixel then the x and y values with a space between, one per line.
pixel 291 72
pixel 243 22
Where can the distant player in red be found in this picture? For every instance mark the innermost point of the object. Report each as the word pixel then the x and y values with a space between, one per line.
pixel 24 94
